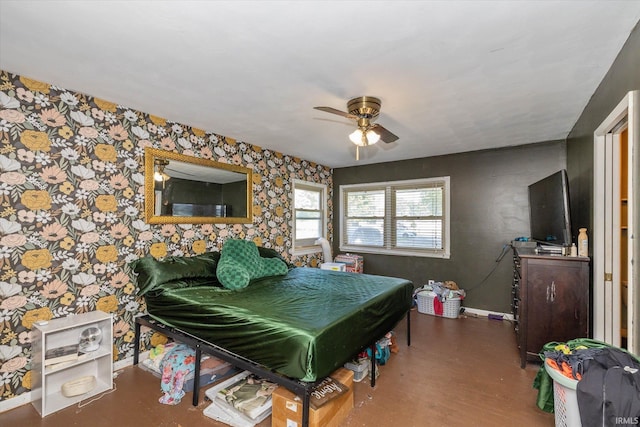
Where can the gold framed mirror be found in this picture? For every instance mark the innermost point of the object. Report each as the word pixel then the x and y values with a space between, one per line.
pixel 180 189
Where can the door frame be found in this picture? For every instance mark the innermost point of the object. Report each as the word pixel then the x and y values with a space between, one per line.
pixel 606 312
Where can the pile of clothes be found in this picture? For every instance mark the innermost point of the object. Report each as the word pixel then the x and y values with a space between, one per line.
pixel 445 290
pixel 608 387
pixel 437 293
pixel 175 364
pixel 442 290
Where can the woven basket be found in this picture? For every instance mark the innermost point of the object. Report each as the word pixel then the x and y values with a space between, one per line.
pixel 450 307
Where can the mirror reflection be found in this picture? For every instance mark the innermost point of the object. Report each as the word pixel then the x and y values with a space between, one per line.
pixel 184 189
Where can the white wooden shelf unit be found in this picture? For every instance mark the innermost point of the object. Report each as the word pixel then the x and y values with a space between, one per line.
pixel 48 380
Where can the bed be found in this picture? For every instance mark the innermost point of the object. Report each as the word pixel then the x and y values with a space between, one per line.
pixel 295 328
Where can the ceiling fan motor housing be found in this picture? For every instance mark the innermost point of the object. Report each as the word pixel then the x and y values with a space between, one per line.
pixel 366 107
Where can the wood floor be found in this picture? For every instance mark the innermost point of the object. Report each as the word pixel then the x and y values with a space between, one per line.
pixel 457 372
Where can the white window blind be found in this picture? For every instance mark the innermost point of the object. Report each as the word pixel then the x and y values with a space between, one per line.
pixel 417 219
pixel 309 212
pixel 364 221
pixel 403 217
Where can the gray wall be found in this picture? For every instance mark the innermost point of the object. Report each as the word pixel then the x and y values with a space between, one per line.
pixel 622 77
pixel 489 208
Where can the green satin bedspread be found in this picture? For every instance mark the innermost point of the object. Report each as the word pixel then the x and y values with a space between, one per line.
pixel 303 325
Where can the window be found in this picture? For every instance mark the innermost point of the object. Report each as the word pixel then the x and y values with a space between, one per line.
pixel 310 215
pixel 396 218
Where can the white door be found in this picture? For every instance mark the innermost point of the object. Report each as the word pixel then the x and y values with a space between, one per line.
pixel 606 232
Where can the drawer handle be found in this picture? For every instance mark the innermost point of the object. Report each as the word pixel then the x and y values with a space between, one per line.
pixel 551 292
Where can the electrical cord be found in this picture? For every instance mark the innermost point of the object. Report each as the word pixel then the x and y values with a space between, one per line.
pixel 505 249
pixel 82 404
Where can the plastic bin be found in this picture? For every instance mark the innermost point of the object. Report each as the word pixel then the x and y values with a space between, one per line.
pixel 360 369
pixel 565 399
pixel 450 307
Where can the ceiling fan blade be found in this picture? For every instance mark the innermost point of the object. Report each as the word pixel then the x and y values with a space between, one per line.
pixel 385 135
pixel 334 111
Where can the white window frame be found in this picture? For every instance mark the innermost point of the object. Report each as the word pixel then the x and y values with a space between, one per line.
pixel 299 249
pixel 387 249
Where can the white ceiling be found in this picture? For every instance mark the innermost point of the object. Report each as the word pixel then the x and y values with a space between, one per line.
pixel 452 76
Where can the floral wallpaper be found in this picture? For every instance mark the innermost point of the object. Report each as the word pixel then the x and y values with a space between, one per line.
pixel 72 203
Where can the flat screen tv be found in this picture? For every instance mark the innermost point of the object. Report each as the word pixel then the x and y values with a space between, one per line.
pixel 549 213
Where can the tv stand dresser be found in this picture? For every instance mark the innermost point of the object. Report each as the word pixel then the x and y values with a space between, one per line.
pixel 550 300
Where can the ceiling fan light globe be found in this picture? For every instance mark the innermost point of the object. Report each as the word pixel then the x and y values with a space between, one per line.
pixel 158 177
pixel 356 137
pixel 372 137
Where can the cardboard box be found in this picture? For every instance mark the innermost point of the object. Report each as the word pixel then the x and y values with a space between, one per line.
pixel 354 263
pixel 287 407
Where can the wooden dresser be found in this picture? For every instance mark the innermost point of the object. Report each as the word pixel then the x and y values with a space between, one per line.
pixel 550 300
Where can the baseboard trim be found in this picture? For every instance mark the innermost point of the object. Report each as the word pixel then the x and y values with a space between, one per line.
pixel 484 313
pixel 121 364
pixel 25 398
pixel 14 402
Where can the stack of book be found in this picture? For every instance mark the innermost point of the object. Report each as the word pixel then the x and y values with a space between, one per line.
pixel 59 357
pixel 243 400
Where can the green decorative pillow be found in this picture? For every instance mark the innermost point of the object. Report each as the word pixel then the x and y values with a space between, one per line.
pixel 273 267
pixel 271 253
pixel 152 273
pixel 240 262
pixel 233 275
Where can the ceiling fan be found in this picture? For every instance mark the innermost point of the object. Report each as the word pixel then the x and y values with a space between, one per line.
pixel 160 175
pixel 364 109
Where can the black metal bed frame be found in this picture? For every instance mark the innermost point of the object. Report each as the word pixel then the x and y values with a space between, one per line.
pixel 295 386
